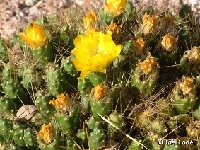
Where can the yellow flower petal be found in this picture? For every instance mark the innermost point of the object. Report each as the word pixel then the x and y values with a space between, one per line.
pixel 149 64
pixel 46 133
pixel 34 36
pixel 169 42
pixel 115 7
pixel 89 20
pixel 187 85
pixel 94 51
pixel 83 74
pixel 149 23
pixel 61 102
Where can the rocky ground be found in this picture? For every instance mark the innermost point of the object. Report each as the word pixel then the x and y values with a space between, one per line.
pixel 15 14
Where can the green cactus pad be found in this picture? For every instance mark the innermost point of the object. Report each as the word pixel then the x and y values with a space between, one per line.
pixel 69 123
pixel 197 111
pixel 82 136
pixel 56 80
pixel 105 17
pixel 52 146
pixel 135 146
pixel 130 11
pixel 96 139
pixel 43 106
pixel 71 145
pixel 3 52
pixel 9 106
pixel 105 106
pixel 93 123
pixel 29 137
pixel 172 147
pixel 44 54
pixel 183 104
pixel 18 135
pixel 96 78
pixel 31 77
pixel 68 66
pixel 118 120
pixel 6 129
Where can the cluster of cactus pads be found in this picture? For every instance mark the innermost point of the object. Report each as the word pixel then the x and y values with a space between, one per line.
pixel 65 94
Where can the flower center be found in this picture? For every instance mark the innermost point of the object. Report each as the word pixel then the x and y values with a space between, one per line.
pixel 93 51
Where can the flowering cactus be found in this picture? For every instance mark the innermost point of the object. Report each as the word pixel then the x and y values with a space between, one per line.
pixel 100 100
pixel 145 76
pixel 68 122
pixel 47 139
pixel 107 79
pixel 61 103
pixel 191 61
pixel 184 95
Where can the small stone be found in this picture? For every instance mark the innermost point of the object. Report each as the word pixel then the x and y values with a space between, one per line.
pixel 26 112
pixel 34 11
pixel 30 2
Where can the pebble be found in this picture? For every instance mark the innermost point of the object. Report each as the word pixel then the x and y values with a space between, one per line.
pixel 34 11
pixel 30 2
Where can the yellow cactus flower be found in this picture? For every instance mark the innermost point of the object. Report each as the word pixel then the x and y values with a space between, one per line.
pixel 187 85
pixel 61 102
pixel 149 23
pixel 149 64
pixel 169 42
pixel 139 46
pixel 94 51
pixel 115 7
pixel 89 20
pixel 34 36
pixel 194 55
pixel 100 92
pixel 46 133
pixel 114 28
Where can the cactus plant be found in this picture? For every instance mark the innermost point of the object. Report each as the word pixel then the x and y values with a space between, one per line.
pixel 68 123
pixel 190 61
pixel 110 79
pixel 67 114
pixel 3 52
pixel 99 100
pixel 184 95
pixel 145 76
